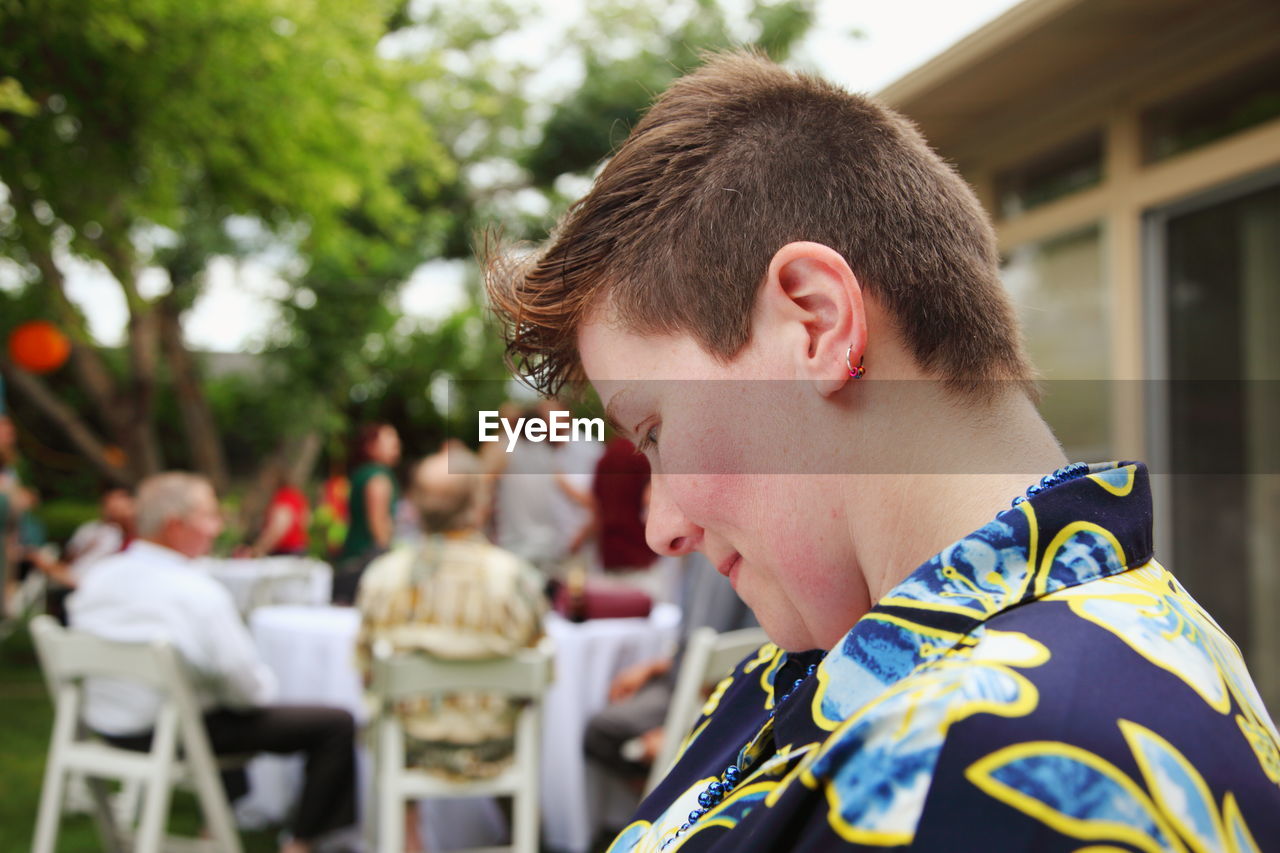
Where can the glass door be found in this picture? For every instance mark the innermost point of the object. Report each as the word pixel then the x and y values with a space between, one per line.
pixel 1215 295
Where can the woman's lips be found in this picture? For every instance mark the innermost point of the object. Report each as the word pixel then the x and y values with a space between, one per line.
pixel 729 567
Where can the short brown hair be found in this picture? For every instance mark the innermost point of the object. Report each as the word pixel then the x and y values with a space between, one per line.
pixel 732 162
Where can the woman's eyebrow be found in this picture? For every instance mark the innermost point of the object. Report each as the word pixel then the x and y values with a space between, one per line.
pixel 611 414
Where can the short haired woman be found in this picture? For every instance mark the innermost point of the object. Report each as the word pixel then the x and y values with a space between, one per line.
pixel 973 647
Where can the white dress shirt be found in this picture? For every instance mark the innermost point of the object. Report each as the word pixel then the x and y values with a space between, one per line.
pixel 93 541
pixel 146 592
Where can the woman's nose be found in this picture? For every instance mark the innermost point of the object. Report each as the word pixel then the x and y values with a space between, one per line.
pixel 667 530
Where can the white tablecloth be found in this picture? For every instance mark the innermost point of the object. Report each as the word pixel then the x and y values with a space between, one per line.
pixel 311 650
pixel 588 656
pixel 278 580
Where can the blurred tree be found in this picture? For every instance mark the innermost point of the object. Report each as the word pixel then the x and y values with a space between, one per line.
pixel 356 141
pixel 131 131
pixel 349 346
pixel 631 52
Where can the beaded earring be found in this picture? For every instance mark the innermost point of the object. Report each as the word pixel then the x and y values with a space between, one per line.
pixel 855 372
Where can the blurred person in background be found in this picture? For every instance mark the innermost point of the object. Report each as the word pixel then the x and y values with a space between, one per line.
pixel 284 529
pixel 155 590
pixel 455 596
pixel 620 489
pixel 108 534
pixel 539 512
pixel 21 532
pixel 371 505
pixel 91 542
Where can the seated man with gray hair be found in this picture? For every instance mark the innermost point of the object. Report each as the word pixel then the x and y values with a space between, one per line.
pixel 153 589
pixel 452 596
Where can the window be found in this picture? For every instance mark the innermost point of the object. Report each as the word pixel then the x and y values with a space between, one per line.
pixel 1061 295
pixel 1069 168
pixel 1244 99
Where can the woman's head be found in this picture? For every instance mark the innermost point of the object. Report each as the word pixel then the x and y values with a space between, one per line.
pixel 376 442
pixel 733 162
pixel 761 225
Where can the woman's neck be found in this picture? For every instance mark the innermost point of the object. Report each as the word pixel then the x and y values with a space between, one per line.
pixel 957 466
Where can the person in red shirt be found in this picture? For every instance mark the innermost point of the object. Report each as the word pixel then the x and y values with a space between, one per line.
pixel 284 532
pixel 622 478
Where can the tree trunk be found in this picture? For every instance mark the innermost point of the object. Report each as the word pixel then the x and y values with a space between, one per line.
pixel 91 370
pixel 305 453
pixel 197 418
pixel 80 434
pixel 127 413
pixel 143 345
pixel 296 457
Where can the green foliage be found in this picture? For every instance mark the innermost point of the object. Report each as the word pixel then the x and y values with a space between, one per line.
pixel 150 111
pixel 62 517
pixel 14 100
pixel 365 138
pixel 425 381
pixel 632 53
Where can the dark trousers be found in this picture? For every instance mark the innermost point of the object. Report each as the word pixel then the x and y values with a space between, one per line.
pixel 325 735
pixel 616 724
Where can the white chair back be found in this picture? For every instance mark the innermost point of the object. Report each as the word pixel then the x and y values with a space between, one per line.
pixel 289 580
pixel 67 659
pixel 708 657
pixel 525 676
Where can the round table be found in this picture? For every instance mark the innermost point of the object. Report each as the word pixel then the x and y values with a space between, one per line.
pixel 272 580
pixel 588 656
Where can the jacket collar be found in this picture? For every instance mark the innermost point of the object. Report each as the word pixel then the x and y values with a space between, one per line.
pixel 1081 530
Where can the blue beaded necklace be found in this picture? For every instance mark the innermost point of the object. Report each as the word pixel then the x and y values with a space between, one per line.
pixel 1067 472
pixel 720 788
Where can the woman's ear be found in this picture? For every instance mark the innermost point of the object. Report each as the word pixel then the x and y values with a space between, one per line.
pixel 811 303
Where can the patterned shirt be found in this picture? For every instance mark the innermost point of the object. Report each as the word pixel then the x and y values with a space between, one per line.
pixel 1042 684
pixel 456 598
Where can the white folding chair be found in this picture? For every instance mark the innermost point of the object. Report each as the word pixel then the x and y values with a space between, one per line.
pixel 28 599
pixel 180 751
pixel 708 657
pixel 285 580
pixel 524 676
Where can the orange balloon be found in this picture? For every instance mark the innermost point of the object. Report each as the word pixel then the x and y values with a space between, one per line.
pixel 38 346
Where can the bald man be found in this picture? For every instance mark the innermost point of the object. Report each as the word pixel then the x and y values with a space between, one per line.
pixel 453 596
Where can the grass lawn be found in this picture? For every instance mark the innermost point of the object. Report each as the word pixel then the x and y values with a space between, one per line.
pixel 26 718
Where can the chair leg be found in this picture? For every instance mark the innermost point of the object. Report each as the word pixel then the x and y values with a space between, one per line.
pixel 124 805
pixel 158 784
pixel 524 803
pixel 67 709
pixel 50 810
pixel 524 823
pixel 155 814
pixel 388 801
pixel 218 818
pixel 103 806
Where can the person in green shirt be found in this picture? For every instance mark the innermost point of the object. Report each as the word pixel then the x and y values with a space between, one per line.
pixel 374 493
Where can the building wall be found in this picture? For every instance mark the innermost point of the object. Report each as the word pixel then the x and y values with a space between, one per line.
pixel 1093 264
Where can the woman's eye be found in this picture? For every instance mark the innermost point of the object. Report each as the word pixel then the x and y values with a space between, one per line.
pixel 649 440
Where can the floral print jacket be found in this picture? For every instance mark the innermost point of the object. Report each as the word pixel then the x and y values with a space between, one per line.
pixel 1043 684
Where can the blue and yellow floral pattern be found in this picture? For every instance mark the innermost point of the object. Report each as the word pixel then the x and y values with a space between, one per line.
pixel 1041 684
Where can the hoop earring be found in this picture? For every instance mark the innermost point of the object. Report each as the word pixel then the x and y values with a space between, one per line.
pixel 855 372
